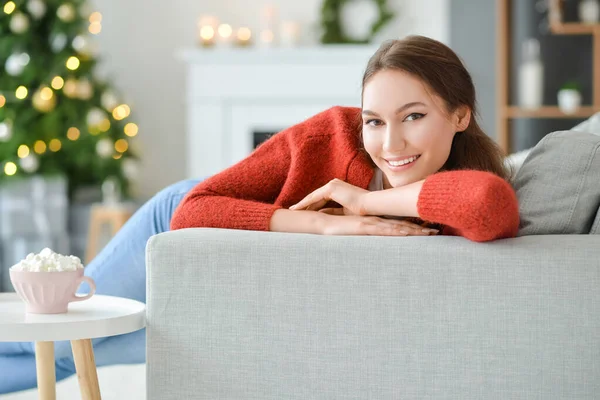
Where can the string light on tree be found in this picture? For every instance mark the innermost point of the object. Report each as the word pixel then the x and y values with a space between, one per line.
pixel 73 133
pixel 9 7
pixel 58 83
pixel 37 8
pixel 39 147
pixel 30 163
pixel 131 129
pixel 46 93
pixel 95 17
pixel 54 145
pixel 73 63
pixel 121 112
pixel 10 168
pixel 95 28
pixel 121 145
pixel 70 88
pixel 95 23
pixel 21 92
pixel 19 23
pixel 44 99
pixel 23 151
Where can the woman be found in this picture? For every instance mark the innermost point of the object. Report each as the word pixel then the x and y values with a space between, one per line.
pixel 411 161
pixel 417 106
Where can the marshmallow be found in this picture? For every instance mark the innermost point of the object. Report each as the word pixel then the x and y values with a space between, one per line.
pixel 48 261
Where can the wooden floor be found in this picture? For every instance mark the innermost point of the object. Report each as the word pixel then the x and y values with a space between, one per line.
pixel 117 382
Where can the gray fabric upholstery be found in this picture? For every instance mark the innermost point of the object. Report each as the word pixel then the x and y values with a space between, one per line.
pixel 558 186
pixel 514 161
pixel 262 315
pixel 596 225
pixel 590 125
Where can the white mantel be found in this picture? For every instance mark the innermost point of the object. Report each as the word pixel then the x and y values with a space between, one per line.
pixel 232 92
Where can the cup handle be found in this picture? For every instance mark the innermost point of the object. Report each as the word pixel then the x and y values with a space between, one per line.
pixel 90 282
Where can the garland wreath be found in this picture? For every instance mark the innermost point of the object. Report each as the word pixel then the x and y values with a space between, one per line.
pixel 333 32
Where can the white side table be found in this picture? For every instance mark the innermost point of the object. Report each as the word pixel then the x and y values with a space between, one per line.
pixel 99 316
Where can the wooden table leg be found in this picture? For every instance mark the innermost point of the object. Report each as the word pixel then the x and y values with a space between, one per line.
pixel 83 353
pixel 45 369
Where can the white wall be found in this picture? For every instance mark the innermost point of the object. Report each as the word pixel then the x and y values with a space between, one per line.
pixel 139 40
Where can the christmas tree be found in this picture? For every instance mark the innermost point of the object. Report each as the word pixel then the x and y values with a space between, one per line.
pixel 56 115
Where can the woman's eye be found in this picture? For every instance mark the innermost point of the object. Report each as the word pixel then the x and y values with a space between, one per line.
pixel 414 117
pixel 374 122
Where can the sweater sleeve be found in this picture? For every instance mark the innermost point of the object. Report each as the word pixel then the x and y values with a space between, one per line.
pixel 241 196
pixel 477 205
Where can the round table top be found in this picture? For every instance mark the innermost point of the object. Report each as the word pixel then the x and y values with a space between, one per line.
pixel 100 316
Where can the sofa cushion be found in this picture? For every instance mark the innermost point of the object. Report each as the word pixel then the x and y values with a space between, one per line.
pixel 514 161
pixel 590 125
pixel 558 186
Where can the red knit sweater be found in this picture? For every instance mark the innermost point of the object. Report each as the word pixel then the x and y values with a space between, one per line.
pixel 283 170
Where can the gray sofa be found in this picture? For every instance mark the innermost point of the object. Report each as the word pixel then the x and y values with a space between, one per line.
pixel 259 315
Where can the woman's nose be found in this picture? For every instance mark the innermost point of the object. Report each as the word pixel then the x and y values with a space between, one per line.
pixel 394 142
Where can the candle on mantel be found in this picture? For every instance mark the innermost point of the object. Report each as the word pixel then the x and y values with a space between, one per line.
pixel 225 35
pixel 289 35
pixel 268 28
pixel 207 26
pixel 267 38
pixel 244 36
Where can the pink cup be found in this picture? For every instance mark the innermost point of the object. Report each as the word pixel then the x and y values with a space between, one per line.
pixel 50 292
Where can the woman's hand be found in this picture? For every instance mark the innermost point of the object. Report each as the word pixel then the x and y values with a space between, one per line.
pixel 350 197
pixel 368 225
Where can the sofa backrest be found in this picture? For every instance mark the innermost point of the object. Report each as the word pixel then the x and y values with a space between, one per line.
pixel 596 225
pixel 259 315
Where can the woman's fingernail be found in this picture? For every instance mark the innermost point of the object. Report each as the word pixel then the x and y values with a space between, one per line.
pixel 293 207
pixel 404 232
pixel 430 231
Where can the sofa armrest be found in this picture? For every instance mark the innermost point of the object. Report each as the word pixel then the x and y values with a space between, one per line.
pixel 260 315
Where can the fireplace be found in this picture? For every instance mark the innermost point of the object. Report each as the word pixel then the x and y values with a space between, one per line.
pixel 236 98
pixel 258 137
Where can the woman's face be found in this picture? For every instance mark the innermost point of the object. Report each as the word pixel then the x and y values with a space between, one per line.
pixel 406 129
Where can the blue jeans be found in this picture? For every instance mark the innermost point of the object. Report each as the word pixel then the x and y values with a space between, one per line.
pixel 119 270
